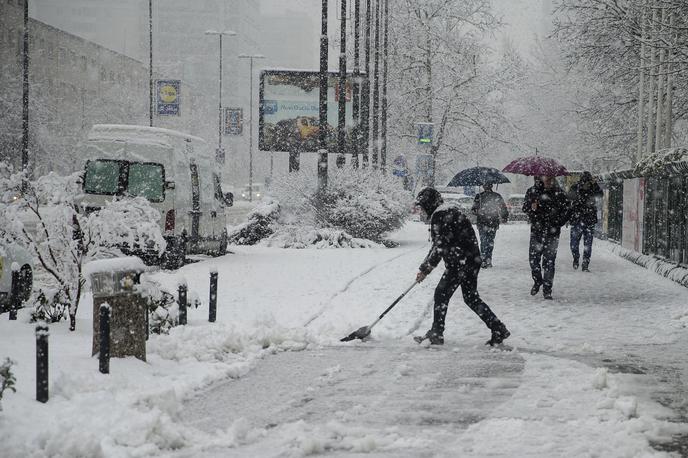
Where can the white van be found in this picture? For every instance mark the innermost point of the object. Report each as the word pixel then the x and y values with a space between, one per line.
pixel 176 173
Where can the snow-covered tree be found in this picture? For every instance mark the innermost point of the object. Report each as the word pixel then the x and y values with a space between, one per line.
pixel 47 221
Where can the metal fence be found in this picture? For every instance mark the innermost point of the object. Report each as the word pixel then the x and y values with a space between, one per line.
pixel 615 211
pixel 666 218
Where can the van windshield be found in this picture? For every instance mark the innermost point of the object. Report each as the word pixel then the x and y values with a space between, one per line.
pixel 112 177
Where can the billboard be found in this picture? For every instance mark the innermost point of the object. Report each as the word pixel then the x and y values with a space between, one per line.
pixel 289 111
pixel 167 97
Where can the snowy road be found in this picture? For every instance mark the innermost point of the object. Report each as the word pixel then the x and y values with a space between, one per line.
pixel 600 371
pixel 389 397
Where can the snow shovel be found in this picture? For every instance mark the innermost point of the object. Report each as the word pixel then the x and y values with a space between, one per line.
pixel 362 333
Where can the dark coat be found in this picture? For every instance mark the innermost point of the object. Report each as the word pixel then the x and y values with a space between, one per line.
pixel 583 206
pixel 453 240
pixel 552 210
pixel 490 209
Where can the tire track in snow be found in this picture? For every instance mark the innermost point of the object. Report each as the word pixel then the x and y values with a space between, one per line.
pixel 346 287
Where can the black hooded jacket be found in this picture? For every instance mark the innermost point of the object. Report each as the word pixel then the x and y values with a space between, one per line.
pixel 583 205
pixel 453 240
pixel 552 210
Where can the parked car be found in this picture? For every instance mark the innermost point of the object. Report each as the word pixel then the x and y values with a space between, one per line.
pixel 514 203
pixel 450 195
pixel 256 194
pixel 12 254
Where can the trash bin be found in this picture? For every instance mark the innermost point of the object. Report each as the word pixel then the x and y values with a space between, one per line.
pixel 114 282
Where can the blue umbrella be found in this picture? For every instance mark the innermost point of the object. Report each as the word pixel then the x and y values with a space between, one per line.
pixel 478 176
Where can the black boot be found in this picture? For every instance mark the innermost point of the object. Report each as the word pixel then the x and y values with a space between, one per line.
pixel 435 337
pixel 575 265
pixel 535 289
pixel 499 334
pixel 585 266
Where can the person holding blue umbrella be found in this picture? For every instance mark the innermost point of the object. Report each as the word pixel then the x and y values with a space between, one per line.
pixel 490 209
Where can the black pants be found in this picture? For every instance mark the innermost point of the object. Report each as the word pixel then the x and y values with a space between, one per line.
pixel 467 278
pixel 487 237
pixel 543 254
pixel 578 231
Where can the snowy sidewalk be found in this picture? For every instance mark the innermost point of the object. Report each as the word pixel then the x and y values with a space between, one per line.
pixel 585 377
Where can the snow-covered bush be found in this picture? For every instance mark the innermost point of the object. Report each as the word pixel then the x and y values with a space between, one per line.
pixel 292 236
pixel 7 379
pixel 50 305
pixel 46 220
pixel 364 203
pixel 259 224
pixel 163 309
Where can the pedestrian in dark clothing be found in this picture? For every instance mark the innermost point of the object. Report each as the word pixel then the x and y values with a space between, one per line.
pixel 454 241
pixel 583 217
pixel 490 209
pixel 547 208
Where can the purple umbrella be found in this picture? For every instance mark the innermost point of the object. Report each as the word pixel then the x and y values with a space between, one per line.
pixel 536 166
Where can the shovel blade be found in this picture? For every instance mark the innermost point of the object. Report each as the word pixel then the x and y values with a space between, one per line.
pixel 360 333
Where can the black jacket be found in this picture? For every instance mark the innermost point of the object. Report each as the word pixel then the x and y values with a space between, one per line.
pixel 490 209
pixel 453 240
pixel 552 210
pixel 583 206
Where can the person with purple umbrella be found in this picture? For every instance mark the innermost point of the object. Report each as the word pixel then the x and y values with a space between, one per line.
pixel 547 208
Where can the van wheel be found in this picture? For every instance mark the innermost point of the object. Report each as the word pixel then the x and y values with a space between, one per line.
pixel 25 285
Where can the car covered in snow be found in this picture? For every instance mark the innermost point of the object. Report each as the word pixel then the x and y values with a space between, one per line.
pixel 14 257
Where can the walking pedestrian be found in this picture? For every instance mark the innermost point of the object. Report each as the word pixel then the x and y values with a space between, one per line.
pixel 547 208
pixel 583 217
pixel 490 210
pixel 454 241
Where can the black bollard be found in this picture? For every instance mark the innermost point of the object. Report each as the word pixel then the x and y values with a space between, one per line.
pixel 15 300
pixel 182 304
pixel 212 309
pixel 42 363
pixel 104 334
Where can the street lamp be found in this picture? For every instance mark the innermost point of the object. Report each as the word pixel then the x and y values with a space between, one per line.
pixel 250 123
pixel 219 120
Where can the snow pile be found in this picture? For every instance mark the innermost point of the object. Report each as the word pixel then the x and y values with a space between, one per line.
pixel 666 269
pixel 301 237
pixel 136 409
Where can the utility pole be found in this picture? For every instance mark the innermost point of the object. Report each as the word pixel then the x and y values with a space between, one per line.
pixel 322 131
pixel 341 89
pixel 365 93
pixel 250 122
pixel 383 150
pixel 219 98
pixel 661 76
pixel 150 63
pixel 652 73
pixel 670 85
pixel 25 100
pixel 356 106
pixel 376 87
pixel 641 86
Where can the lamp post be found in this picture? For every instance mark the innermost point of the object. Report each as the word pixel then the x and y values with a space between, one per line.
pixel 25 99
pixel 150 63
pixel 219 115
pixel 250 122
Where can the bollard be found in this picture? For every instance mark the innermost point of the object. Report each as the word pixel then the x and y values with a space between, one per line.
pixel 212 309
pixel 42 363
pixel 182 304
pixel 15 300
pixel 104 334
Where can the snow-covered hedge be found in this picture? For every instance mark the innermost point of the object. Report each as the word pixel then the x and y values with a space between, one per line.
pixel 362 203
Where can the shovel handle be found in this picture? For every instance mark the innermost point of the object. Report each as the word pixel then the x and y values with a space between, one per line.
pixel 394 303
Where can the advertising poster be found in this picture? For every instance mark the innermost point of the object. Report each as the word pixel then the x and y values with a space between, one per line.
pixel 234 121
pixel 167 97
pixel 289 111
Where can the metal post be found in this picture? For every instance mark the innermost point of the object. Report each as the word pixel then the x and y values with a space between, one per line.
pixel 356 106
pixel 383 150
pixel 15 301
pixel 104 337
pixel 250 136
pixel 322 100
pixel 150 62
pixel 25 99
pixel 212 308
pixel 182 304
pixel 376 87
pixel 641 88
pixel 219 99
pixel 42 334
pixel 341 88
pixel 652 72
pixel 365 92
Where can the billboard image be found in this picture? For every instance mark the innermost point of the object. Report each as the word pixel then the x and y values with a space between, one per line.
pixel 167 97
pixel 289 113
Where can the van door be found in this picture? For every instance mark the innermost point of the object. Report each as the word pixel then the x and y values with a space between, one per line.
pixel 195 212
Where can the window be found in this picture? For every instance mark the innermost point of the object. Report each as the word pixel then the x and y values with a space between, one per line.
pixel 103 177
pixel 146 180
